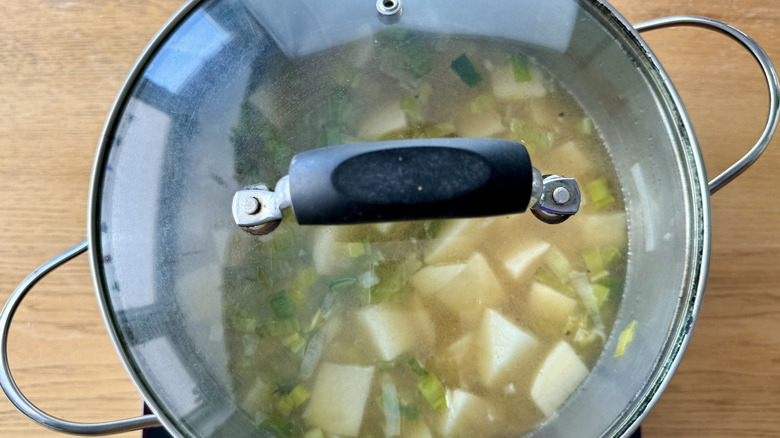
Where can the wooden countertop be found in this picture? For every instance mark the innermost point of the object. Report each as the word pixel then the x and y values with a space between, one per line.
pixel 63 62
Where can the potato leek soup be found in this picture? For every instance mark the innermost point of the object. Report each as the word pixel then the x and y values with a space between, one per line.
pixel 461 327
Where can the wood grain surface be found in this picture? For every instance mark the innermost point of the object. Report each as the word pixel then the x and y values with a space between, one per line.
pixel 62 63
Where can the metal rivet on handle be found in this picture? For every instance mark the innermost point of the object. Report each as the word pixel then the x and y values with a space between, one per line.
pixel 250 205
pixel 561 195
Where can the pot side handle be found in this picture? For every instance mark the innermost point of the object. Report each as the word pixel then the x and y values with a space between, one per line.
pixel 766 66
pixel 12 391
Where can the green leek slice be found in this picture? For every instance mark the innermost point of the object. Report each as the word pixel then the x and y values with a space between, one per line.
pixel 282 306
pixel 599 192
pixel 465 70
pixel 625 339
pixel 520 68
pixel 433 391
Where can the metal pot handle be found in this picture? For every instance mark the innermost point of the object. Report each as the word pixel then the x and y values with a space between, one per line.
pixel 769 72
pixel 13 392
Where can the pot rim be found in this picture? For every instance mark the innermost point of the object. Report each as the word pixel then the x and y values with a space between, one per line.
pixel 680 332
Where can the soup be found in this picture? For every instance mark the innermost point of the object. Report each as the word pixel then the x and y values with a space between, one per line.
pixel 464 327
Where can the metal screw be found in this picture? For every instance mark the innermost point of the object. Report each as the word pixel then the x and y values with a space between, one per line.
pixel 561 195
pixel 250 205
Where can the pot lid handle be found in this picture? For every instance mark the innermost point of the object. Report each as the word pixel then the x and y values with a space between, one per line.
pixel 408 180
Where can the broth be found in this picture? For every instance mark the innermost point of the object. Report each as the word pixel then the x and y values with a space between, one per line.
pixel 467 327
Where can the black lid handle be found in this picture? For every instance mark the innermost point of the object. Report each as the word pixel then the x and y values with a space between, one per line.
pixel 402 180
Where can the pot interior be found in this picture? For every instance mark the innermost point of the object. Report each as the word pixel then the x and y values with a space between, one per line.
pixel 162 231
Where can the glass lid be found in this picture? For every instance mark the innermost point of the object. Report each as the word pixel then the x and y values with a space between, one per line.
pixel 496 326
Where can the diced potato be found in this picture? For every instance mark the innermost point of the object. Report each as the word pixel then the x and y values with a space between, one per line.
pixel 486 123
pixel 455 242
pixel 561 373
pixel 604 229
pixel 525 258
pixel 431 279
pixel 506 88
pixel 314 433
pixel 328 250
pixel 384 227
pixel 455 364
pixel 558 263
pixel 472 291
pixel 500 346
pixel 396 329
pixel 193 289
pixel 466 414
pixel 387 118
pixel 258 398
pixel 339 397
pixel 570 161
pixel 550 308
pixel 461 349
pixel 416 429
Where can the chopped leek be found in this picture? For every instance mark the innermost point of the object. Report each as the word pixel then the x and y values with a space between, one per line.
pixel 571 324
pixel 282 306
pixel 587 125
pixel 278 328
pixel 412 104
pixel 301 284
pixel 407 410
pixel 531 136
pixel 409 105
pixel 600 293
pixel 384 282
pixel 412 49
pixel 285 406
pixel 292 400
pixel 520 68
pixel 549 279
pixel 558 264
pixel 385 364
pixel 341 283
pixel 416 367
pixel 594 261
pixel 331 132
pixel 277 426
pixel 465 70
pixel 316 321
pixel 295 342
pixel 625 338
pixel 242 322
pixel 299 395
pixel 585 337
pixel 353 249
pixel 585 290
pixel 314 433
pixel 391 409
pixel 610 255
pixel 424 93
pixel 281 241
pixel 482 103
pixel 332 129
pixel 433 391
pixel 599 192
pixel 312 354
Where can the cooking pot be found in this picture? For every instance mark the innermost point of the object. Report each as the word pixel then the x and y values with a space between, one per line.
pixel 165 157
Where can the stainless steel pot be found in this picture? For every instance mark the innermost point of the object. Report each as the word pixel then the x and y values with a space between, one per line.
pixel 150 252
